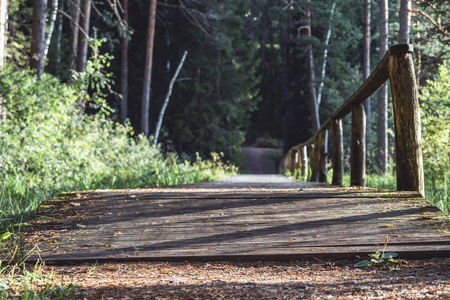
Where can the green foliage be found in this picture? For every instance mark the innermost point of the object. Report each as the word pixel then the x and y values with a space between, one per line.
pixel 379 259
pixel 209 112
pixel 435 108
pixel 22 283
pixel 47 146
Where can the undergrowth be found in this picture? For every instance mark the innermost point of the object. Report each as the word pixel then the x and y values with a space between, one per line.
pixel 49 146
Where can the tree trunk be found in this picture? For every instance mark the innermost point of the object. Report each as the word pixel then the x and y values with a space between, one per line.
pixel 166 101
pixel 3 17
pixel 366 67
pixel 59 40
pixel 74 33
pixel 405 21
pixel 38 37
pixel 325 55
pixel 124 68
pixel 382 153
pixel 51 27
pixel 283 76
pixel 315 120
pixel 148 70
pixel 84 39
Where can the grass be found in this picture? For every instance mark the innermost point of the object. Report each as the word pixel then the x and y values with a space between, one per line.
pixel 22 282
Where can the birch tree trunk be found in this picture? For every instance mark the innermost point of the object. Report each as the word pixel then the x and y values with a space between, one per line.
pixel 51 27
pixel 382 153
pixel 312 77
pixel 124 67
pixel 166 101
pixel 405 21
pixel 148 70
pixel 84 39
pixel 325 55
pixel 38 37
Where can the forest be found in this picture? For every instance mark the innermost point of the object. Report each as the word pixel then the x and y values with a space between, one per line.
pixel 102 94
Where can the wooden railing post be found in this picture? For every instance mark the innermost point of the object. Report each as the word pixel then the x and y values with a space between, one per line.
pixel 292 162
pixel 304 162
pixel 313 162
pixel 358 147
pixel 322 150
pixel 408 141
pixel 338 151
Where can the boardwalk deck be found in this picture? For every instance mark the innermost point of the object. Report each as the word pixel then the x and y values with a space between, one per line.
pixel 259 216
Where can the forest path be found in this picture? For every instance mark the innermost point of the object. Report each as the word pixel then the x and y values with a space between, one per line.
pixel 260 160
pixel 247 216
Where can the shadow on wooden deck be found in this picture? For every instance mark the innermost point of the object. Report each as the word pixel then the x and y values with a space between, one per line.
pixel 244 217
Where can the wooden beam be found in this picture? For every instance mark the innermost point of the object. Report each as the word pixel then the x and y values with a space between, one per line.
pixel 322 150
pixel 304 162
pixel 408 141
pixel 338 151
pixel 313 162
pixel 358 147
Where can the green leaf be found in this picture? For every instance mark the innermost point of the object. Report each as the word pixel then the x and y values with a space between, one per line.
pixel 389 255
pixel 5 236
pixel 363 264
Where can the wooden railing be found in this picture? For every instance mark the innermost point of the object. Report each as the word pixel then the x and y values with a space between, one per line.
pixel 397 65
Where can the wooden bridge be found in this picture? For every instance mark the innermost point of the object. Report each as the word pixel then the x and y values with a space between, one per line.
pixel 245 217
pixel 267 216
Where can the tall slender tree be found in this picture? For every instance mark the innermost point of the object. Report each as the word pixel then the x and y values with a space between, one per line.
pixel 84 38
pixel 312 77
pixel 382 153
pixel 405 21
pixel 3 16
pixel 124 67
pixel 51 27
pixel 145 114
pixel 366 68
pixel 38 37
pixel 74 32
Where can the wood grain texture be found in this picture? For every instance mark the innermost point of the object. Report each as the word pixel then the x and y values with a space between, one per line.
pixel 322 150
pixel 358 147
pixel 338 151
pixel 238 219
pixel 408 142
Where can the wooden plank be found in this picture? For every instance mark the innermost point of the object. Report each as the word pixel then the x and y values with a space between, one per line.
pixel 217 221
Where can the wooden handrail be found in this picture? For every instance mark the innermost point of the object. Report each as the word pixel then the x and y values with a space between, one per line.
pixel 397 66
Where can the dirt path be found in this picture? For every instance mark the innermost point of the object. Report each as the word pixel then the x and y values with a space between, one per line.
pixel 260 160
pixel 313 279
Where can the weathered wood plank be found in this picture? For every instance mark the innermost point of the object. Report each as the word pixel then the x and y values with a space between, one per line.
pixel 216 221
pixel 322 150
pixel 408 142
pixel 358 147
pixel 338 151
